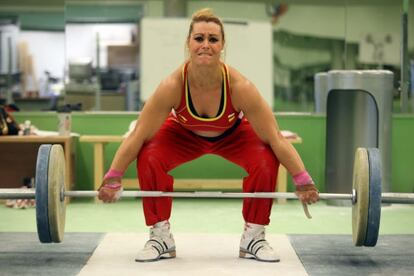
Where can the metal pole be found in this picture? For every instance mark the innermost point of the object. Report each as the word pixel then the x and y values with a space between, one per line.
pixel 397 198
pixel 9 99
pixel 98 75
pixel 17 193
pixel 405 73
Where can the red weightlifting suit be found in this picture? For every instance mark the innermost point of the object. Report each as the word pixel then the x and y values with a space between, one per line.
pixel 175 144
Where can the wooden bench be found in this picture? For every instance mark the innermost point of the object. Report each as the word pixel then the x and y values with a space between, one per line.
pixel 99 142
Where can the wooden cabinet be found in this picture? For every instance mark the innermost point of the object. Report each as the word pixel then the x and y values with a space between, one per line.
pixel 18 155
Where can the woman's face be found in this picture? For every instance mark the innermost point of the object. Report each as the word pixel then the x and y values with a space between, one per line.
pixel 205 43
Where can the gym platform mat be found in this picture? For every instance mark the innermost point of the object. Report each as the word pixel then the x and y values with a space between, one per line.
pixel 203 254
pixel 23 254
pixel 324 255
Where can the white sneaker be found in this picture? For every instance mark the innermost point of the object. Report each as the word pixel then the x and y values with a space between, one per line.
pixel 253 244
pixel 161 244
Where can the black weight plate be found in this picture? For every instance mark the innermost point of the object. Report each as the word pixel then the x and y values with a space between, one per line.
pixel 41 182
pixel 374 208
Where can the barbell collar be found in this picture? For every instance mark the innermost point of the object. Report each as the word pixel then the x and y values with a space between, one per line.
pixel 354 196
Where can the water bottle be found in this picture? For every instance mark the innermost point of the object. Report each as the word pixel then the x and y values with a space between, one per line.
pixel 26 128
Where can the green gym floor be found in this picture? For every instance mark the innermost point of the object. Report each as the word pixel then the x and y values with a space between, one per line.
pixel 96 232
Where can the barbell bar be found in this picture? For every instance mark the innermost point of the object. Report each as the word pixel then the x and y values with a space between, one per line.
pixel 31 194
pixel 402 198
pixel 50 195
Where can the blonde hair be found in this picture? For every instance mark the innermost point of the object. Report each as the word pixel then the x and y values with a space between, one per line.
pixel 205 15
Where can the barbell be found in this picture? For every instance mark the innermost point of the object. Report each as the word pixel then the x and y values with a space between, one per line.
pixel 49 193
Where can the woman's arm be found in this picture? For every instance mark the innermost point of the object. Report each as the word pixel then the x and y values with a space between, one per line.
pixel 247 98
pixel 153 115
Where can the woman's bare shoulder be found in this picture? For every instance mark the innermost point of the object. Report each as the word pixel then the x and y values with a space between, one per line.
pixel 171 87
pixel 237 80
pixel 244 92
pixel 174 80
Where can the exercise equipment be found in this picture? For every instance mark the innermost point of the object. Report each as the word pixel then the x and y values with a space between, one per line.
pixel 50 195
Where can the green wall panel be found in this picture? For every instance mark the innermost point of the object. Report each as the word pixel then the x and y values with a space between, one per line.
pixel 402 154
pixel 103 13
pixel 42 21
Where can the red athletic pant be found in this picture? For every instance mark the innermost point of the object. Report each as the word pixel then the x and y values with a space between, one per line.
pixel 174 145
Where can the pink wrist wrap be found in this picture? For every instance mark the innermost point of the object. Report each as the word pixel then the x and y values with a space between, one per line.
pixel 302 178
pixel 113 173
pixel 114 186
